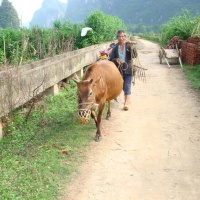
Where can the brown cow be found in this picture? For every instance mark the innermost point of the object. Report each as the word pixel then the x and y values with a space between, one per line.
pixel 102 82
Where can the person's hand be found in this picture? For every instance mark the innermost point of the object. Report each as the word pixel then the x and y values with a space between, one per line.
pixel 119 61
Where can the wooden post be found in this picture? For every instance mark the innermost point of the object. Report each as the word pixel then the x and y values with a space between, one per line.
pixel 52 90
pixel 167 62
pixel 80 73
pixel 179 56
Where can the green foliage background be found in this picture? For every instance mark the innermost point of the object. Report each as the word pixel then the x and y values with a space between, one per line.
pixel 27 45
pixel 104 28
pixel 183 25
pixel 180 25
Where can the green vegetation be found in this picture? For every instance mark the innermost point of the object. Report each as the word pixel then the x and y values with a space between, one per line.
pixel 33 163
pixel 30 163
pixel 183 26
pixel 152 37
pixel 193 75
pixel 26 45
pixel 180 25
pixel 104 28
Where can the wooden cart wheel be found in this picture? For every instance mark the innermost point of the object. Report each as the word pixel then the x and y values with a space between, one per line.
pixel 160 55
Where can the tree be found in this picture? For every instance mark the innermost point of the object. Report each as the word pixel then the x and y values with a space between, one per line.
pixel 8 15
pixel 104 26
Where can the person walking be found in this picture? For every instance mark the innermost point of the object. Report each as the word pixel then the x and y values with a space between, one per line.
pixel 121 56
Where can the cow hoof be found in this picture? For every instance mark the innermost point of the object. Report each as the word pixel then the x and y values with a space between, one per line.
pixel 108 116
pixel 97 138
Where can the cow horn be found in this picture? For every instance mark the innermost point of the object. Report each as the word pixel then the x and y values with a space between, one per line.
pixel 76 78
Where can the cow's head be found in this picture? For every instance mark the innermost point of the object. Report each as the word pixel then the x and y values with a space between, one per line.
pixel 86 98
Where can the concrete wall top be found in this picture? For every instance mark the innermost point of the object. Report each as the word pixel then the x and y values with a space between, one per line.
pixel 18 85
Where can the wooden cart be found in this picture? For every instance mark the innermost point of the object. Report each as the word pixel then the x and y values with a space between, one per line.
pixel 170 54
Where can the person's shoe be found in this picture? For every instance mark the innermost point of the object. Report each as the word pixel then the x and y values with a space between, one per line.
pixel 125 107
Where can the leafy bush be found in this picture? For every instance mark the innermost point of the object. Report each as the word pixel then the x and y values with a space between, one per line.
pixel 25 45
pixel 88 40
pixel 11 40
pixel 181 26
pixel 104 26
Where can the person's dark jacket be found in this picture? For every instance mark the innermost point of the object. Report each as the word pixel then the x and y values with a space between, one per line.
pixel 114 55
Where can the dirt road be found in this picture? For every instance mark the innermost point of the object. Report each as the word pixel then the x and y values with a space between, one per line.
pixel 152 151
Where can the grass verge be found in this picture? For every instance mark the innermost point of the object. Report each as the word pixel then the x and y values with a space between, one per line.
pixel 156 38
pixel 193 75
pixel 32 163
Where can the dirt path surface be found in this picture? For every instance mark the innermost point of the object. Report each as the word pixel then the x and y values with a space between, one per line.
pixel 151 151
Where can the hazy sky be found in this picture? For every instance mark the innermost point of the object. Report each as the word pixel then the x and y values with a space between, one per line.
pixel 26 8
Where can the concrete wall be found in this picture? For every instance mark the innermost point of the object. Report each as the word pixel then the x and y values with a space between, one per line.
pixel 18 85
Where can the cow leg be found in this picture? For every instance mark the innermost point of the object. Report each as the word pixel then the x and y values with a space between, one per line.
pixel 99 117
pixel 93 115
pixel 108 112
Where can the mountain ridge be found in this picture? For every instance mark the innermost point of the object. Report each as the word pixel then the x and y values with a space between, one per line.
pixel 148 12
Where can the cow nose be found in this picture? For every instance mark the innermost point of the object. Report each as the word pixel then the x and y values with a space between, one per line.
pixel 84 115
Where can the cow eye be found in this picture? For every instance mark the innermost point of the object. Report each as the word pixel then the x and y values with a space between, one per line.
pixel 90 94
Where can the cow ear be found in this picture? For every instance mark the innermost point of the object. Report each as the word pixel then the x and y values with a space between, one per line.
pixel 76 78
pixel 97 81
